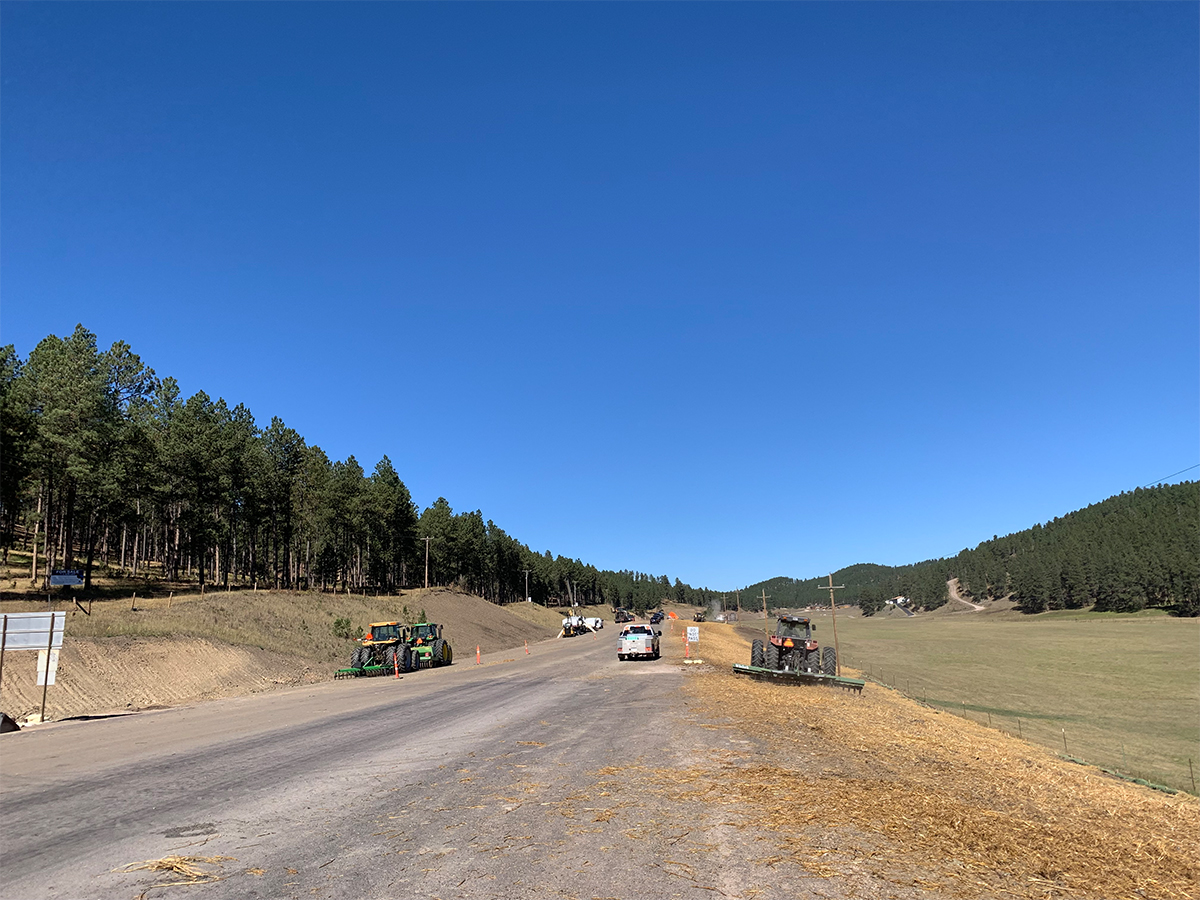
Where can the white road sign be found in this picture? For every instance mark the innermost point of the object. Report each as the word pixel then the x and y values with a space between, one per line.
pixel 693 634
pixel 45 674
pixel 31 631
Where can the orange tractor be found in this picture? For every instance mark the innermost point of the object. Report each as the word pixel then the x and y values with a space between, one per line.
pixel 793 648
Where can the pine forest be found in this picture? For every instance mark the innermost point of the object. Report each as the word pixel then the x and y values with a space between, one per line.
pixel 107 468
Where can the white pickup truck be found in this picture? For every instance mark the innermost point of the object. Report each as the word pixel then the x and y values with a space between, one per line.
pixel 639 641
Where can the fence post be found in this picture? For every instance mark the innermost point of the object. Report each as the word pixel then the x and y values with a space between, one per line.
pixel 1064 732
pixel 1192 772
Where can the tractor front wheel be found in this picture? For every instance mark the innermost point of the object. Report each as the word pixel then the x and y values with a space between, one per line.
pixel 404 658
pixel 756 654
pixel 771 657
pixel 829 661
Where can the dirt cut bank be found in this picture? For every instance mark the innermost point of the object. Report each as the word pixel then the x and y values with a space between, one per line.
pixel 134 654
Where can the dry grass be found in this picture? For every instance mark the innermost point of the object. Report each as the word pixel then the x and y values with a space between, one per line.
pixel 299 623
pixel 1124 689
pixel 186 869
pixel 936 800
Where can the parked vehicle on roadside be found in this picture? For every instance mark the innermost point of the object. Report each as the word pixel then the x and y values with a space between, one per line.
pixel 656 617
pixel 638 642
pixel 623 615
pixel 574 625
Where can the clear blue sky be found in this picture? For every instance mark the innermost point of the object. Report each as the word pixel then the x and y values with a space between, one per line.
pixel 717 291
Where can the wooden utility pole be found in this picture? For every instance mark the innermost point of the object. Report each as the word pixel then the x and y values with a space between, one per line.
pixel 427 540
pixel 766 618
pixel 526 571
pixel 833 609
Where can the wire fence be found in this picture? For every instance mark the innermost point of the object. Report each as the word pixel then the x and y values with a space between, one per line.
pixel 1072 738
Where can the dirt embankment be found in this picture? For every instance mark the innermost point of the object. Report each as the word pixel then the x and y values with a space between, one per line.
pixel 130 656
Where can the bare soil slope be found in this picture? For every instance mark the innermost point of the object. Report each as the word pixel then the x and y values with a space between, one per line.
pixel 126 656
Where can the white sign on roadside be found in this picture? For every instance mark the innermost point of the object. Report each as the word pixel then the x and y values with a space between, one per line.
pixel 31 631
pixel 693 634
pixel 46 674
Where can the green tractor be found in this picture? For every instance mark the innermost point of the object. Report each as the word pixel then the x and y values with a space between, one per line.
pixel 427 646
pixel 390 645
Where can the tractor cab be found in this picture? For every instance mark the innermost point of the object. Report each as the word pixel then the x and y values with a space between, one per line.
pixel 791 630
pixel 423 634
pixel 385 633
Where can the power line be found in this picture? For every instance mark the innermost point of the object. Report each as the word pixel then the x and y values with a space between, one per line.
pixel 1172 475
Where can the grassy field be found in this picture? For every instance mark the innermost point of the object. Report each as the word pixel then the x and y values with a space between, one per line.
pixel 1125 689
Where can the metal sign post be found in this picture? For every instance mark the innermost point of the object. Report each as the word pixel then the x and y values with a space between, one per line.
pixel 3 641
pixel 41 631
pixel 46 675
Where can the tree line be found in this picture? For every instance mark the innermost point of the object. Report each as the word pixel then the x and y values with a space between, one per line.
pixel 1137 550
pixel 105 464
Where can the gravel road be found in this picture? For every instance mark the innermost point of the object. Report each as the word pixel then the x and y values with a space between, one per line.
pixel 500 780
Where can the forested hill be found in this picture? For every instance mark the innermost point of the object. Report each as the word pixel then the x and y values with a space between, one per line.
pixel 107 466
pixel 1136 550
pixel 794 592
pixel 866 585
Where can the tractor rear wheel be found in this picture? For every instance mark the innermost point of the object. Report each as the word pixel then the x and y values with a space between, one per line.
pixel 829 661
pixel 357 660
pixel 771 657
pixel 756 654
pixel 389 658
pixel 405 658
pixel 438 655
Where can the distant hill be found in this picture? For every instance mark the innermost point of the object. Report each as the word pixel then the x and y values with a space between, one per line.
pixel 1136 550
pixel 795 592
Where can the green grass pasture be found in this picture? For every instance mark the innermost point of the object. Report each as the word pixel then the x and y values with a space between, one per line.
pixel 1126 689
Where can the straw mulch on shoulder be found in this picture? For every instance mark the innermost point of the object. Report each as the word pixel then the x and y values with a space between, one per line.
pixel 929 799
